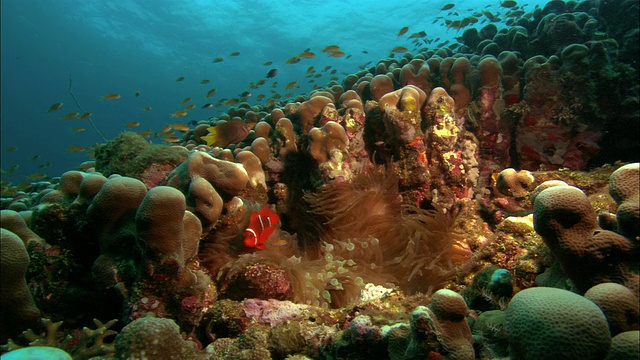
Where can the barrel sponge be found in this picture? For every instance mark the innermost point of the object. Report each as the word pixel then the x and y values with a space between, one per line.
pixel 12 221
pixel 154 338
pixel 618 304
pixel 624 182
pixel 625 345
pixel 18 307
pixel 549 323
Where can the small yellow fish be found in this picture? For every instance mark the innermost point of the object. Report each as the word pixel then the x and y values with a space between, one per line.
pixel 147 108
pixel 10 149
pixel 311 69
pixel 336 54
pixel 235 53
pixel 186 100
pixel 331 48
pixel 218 59
pixel 190 107
pixel 204 81
pixel 180 127
pixel 172 139
pixel 231 101
pixel 85 115
pixel 307 55
pixel 74 148
pixel 71 115
pixel 180 78
pixel 291 85
pixel 77 129
pixel 420 34
pixel 403 31
pixel 36 176
pixel 35 157
pixel 267 63
pixel 179 113
pixel 133 124
pixel 166 129
pixel 137 93
pixel 113 96
pixel 55 107
pixel 45 165
pixel 293 60
pixel 448 6
pixel 145 134
pixel 399 49
pixel 211 92
pixel 225 133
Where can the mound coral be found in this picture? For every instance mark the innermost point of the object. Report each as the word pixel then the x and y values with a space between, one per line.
pixel 547 323
pixel 155 338
pixel 563 216
pixel 19 309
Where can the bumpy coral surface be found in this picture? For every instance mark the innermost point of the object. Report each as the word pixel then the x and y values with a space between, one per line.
pixel 423 207
pixel 546 323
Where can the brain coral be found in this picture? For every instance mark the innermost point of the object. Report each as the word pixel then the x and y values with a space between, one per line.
pixel 624 185
pixel 619 305
pixel 550 323
pixel 565 220
pixel 625 345
pixel 154 338
pixel 18 308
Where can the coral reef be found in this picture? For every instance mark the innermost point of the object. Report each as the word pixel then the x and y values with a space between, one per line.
pixel 395 223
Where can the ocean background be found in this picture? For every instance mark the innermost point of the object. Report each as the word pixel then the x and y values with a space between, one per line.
pixel 130 46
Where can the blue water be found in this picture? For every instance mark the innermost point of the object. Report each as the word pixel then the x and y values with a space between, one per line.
pixel 126 46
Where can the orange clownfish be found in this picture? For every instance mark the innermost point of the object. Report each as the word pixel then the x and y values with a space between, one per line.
pixel 261 226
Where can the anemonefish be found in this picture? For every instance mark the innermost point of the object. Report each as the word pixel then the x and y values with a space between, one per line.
pixel 261 226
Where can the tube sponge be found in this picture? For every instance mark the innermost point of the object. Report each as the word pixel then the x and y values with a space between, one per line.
pixel 18 308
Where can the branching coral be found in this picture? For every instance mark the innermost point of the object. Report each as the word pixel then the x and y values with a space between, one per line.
pixel 87 344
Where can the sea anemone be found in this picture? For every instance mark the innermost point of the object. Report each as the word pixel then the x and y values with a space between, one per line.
pixel 366 223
